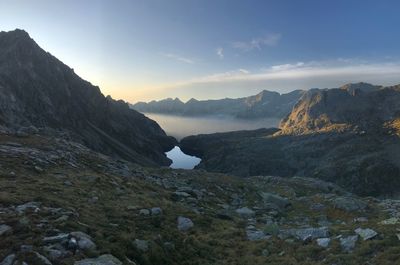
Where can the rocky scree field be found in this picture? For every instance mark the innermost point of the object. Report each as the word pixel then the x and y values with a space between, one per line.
pixel 61 203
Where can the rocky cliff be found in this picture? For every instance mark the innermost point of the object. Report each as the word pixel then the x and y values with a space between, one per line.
pixel 263 105
pixel 362 107
pixel 39 92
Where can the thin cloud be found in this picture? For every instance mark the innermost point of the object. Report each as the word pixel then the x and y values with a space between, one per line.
pixel 288 66
pixel 299 71
pixel 179 58
pixel 220 53
pixel 258 43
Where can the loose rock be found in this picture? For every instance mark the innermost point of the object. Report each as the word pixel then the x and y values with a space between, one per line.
pixel 366 234
pixel 348 243
pixel 184 223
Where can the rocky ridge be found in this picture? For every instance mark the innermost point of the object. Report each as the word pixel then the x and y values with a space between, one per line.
pixel 40 94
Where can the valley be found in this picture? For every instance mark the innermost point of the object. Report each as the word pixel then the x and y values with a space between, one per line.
pixel 308 177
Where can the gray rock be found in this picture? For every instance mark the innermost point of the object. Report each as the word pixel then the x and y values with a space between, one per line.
pixel 360 219
pixel 43 259
pixel 8 260
pixel 72 244
pixel 86 244
pixel 178 195
pixel 142 245
pixel 255 234
pixel 68 183
pixel 349 204
pixel 56 252
pixel 184 223
pixel 5 229
pixel 102 260
pixel 390 221
pixel 38 169
pixel 279 201
pixel 310 233
pixel 84 240
pixel 55 239
pixel 156 211
pixel 26 248
pixel 245 212
pixel 144 212
pixel 366 233
pixel 31 206
pixel 323 242
pixel 348 243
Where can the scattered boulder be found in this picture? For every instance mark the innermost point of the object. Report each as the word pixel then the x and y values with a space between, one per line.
pixel 390 221
pixel 178 195
pixel 184 223
pixel 349 204
pixel 8 260
pixel 102 260
pixel 323 242
pixel 5 229
pixel 305 234
pixel 84 240
pixel 55 239
pixel 29 206
pixel 360 220
pixel 279 201
pixel 348 243
pixel 366 233
pixel 38 169
pixel 144 212
pixel 142 245
pixel 254 234
pixel 245 212
pixel 156 211
pixel 43 260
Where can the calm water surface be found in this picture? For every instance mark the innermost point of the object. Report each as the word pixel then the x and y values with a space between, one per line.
pixel 182 160
pixel 180 127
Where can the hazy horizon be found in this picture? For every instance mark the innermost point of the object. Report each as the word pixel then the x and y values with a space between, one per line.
pixel 150 50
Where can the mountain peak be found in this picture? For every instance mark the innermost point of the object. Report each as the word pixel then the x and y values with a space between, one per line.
pixel 361 86
pixel 15 35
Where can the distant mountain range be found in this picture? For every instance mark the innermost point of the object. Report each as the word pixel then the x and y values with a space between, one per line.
pixel 263 105
pixel 347 135
pixel 40 93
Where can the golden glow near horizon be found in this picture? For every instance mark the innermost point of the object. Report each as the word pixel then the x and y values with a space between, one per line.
pixel 150 50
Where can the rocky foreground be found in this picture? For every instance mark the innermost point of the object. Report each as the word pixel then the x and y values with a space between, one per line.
pixel 61 203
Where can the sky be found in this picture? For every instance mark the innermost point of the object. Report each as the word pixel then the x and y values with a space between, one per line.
pixel 140 50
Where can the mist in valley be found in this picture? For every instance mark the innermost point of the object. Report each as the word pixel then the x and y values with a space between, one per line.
pixel 180 127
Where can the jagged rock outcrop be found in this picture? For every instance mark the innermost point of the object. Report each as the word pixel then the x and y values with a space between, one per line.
pixel 38 90
pixel 358 107
pixel 263 105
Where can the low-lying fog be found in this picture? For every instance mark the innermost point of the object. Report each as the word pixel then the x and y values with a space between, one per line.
pixel 179 126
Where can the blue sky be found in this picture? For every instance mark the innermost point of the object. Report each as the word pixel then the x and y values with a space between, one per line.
pixel 148 49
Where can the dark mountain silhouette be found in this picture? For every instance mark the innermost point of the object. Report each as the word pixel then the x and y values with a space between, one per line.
pixel 36 89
